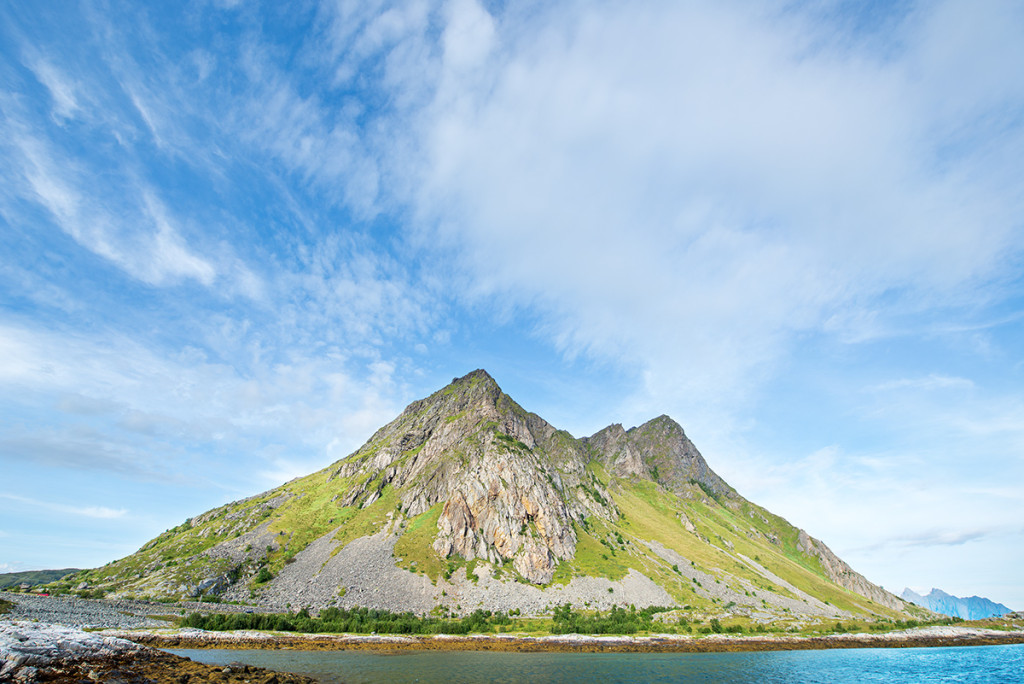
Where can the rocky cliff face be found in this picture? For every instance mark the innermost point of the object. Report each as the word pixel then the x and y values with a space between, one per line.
pixel 510 484
pixel 466 499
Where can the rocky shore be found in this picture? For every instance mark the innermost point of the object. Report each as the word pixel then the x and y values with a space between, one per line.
pixel 71 611
pixel 33 652
pixel 666 643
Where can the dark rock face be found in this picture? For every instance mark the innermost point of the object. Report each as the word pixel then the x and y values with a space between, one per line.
pixel 970 608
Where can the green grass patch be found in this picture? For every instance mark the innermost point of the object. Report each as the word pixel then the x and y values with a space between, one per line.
pixel 593 559
pixel 651 513
pixel 597 470
pixel 363 522
pixel 416 545
pixel 563 573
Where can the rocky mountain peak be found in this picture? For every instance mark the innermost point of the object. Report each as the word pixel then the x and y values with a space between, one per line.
pixel 467 479
pixel 477 386
pixel 664 424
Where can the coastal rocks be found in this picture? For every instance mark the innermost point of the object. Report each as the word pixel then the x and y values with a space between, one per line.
pixel 34 652
pixel 655 643
pixel 28 649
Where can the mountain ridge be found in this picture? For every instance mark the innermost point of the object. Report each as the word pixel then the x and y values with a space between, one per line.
pixel 466 499
pixel 967 608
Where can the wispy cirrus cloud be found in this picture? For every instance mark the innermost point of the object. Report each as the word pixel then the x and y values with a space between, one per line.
pixel 931 382
pixel 62 89
pixel 931 538
pixel 138 236
pixel 100 512
pixel 115 406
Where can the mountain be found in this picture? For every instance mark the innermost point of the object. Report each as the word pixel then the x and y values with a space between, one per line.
pixel 467 500
pixel 32 577
pixel 971 608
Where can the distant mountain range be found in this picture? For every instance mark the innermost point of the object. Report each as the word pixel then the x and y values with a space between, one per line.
pixel 32 577
pixel 466 500
pixel 971 608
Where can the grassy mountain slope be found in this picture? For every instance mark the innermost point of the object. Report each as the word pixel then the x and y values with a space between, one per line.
pixel 32 577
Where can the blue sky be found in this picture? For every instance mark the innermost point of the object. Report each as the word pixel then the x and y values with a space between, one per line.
pixel 240 236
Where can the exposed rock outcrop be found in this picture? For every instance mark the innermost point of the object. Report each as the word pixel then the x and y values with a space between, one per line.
pixel 657 450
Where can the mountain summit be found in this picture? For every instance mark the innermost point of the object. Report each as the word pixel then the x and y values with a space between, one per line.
pixel 467 500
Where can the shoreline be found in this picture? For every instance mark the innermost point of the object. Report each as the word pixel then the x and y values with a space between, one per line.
pixel 569 643
pixel 37 651
pixel 40 652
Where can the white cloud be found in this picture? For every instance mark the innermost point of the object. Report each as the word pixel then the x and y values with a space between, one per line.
pixel 62 89
pixel 931 382
pixel 171 258
pixel 468 36
pixel 690 188
pixel 144 244
pixel 99 512
pixel 116 406
pixel 321 144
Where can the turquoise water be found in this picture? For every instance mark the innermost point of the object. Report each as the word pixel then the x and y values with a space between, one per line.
pixel 967 664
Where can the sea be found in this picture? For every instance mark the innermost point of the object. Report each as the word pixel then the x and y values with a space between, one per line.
pixel 906 665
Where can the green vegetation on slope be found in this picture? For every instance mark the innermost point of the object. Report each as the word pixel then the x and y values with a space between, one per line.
pixel 415 547
pixel 725 543
pixel 33 577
